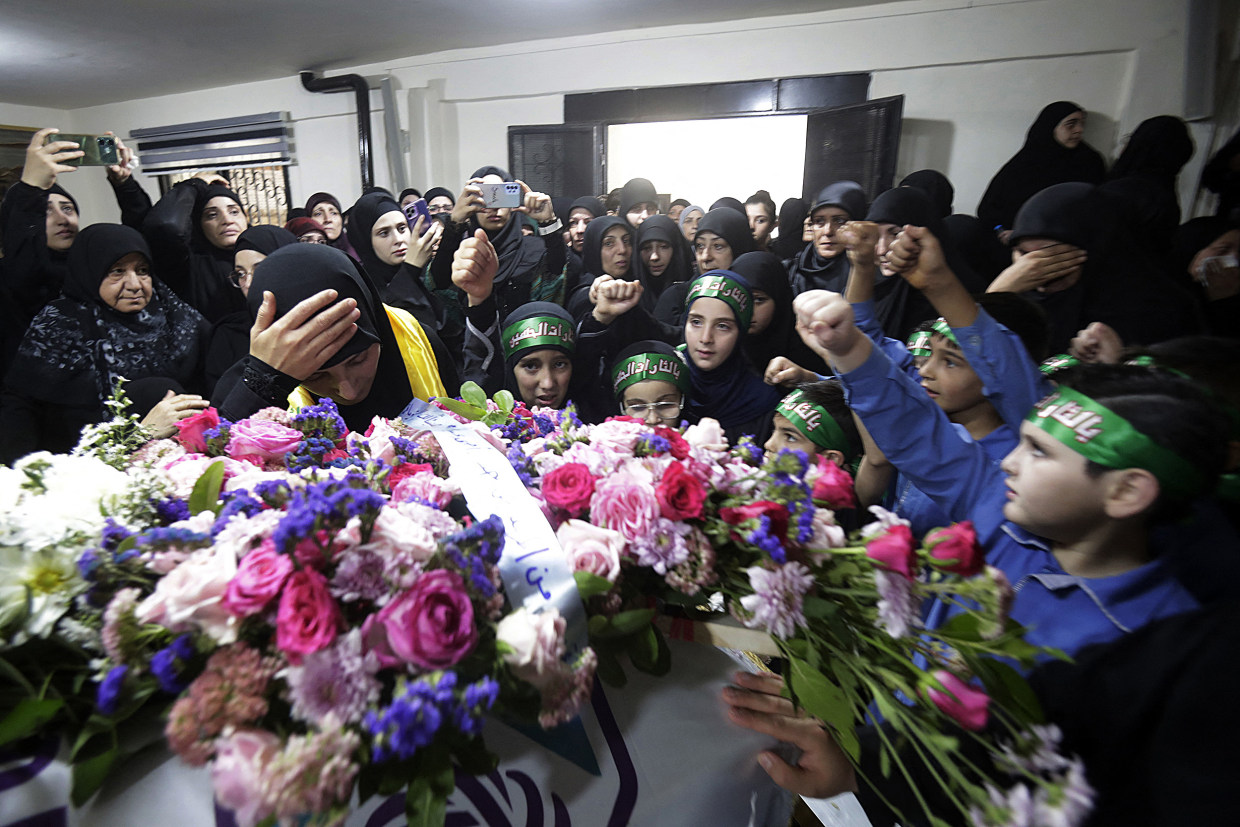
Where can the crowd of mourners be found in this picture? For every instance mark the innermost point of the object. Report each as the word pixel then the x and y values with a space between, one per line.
pixel 1062 368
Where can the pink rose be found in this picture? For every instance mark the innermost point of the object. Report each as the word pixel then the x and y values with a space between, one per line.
pixel 893 550
pixel 592 549
pixel 405 469
pixel 268 440
pixel 308 618
pixel 430 626
pixel 961 702
pixel 707 433
pixel 426 487
pixel 834 485
pixel 776 514
pixel 625 504
pixel 191 430
pixel 237 773
pixel 955 549
pixel 191 596
pixel 569 487
pixel 535 643
pixel 681 495
pixel 259 577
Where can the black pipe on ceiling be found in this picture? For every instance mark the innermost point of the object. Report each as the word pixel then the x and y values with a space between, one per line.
pixel 361 91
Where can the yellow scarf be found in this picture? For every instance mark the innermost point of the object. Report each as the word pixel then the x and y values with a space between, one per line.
pixel 415 351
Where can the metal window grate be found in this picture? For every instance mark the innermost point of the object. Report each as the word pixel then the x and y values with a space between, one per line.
pixel 263 190
pixel 251 140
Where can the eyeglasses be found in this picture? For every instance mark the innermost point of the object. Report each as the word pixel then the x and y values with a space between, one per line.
pixel 239 277
pixel 835 221
pixel 663 410
pixel 439 209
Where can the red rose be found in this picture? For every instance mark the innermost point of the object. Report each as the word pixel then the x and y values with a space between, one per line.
pixel 778 515
pixel 955 549
pixel 834 485
pixel 893 550
pixel 680 494
pixel 569 488
pixel 308 618
pixel 406 469
pixel 677 446
pixel 191 430
pixel 962 703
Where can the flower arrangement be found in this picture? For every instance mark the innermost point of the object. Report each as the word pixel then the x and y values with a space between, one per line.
pixel 312 612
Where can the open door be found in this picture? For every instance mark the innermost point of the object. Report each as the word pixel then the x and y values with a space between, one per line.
pixel 558 159
pixel 859 142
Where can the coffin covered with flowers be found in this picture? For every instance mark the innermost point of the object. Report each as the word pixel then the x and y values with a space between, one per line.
pixel 325 620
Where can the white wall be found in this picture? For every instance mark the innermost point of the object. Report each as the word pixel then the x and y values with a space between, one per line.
pixel 974 73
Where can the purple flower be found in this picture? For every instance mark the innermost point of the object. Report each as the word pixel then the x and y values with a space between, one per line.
pixel 476 700
pixel 663 547
pixel 339 679
pixel 898 606
pixel 171 510
pixel 110 690
pixel 360 576
pixel 166 664
pixel 778 595
pixel 413 718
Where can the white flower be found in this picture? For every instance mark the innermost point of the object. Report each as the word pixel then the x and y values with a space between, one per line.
pixel 885 520
pixel 192 596
pixel 778 596
pixel 898 606
pixel 535 643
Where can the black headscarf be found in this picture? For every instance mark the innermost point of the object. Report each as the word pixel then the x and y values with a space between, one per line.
pixel 592 248
pixel 730 203
pixel 637 191
pixel 200 204
pixel 1159 147
pixel 361 220
pixel 1142 184
pixel 299 271
pixel 1118 285
pixel 77 347
pixel 660 228
pixel 731 226
pixel 517 253
pixel 765 272
pixel 934 184
pixel 587 202
pixel 791 228
pixel 342 241
pixel 1040 163
pixel 435 192
pixel 407 191
pixel 264 238
pixel 530 310
pixel 734 392
pixel 900 308
pixel 810 271
pixel 650 346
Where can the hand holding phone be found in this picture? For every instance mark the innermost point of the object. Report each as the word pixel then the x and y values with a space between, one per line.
pixel 416 209
pixel 98 150
pixel 505 195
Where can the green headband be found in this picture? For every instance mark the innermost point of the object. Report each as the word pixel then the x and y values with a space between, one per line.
pixel 727 290
pixel 538 332
pixel 1103 436
pixel 1054 363
pixel 814 421
pixel 648 366
pixel 919 343
pixel 941 327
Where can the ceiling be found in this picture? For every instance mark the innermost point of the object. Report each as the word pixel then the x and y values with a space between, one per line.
pixel 73 53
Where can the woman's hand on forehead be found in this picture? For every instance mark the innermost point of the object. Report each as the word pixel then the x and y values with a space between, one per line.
pixel 302 340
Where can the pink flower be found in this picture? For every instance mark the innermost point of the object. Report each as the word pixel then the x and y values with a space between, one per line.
pixel 834 485
pixel 191 430
pixel 268 440
pixel 955 549
pixel 624 503
pixel 893 550
pixel 424 486
pixel 592 549
pixel 677 446
pixel 536 644
pixel 826 532
pixel 707 433
pixel 569 487
pixel 191 596
pixel 259 577
pixel 778 598
pixel 308 618
pixel 430 626
pixel 406 469
pixel 237 773
pixel 961 702
pixel 681 495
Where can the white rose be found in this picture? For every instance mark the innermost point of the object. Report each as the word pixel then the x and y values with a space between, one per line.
pixel 192 596
pixel 536 642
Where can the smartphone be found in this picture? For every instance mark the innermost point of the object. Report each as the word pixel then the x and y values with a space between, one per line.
pixel 415 209
pixel 500 196
pixel 100 149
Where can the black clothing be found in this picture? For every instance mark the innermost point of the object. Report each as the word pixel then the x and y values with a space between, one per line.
pixel 765 273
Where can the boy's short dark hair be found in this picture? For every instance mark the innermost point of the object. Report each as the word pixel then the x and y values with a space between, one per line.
pixel 828 394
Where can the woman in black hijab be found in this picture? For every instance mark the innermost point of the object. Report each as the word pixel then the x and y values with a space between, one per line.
pixel 1054 152
pixel 661 258
pixel 722 236
pixel 823 264
pixel 792 215
pixel 114 320
pixel 325 208
pixel 377 357
pixel 773 329
pixel 638 201
pixel 577 218
pixel 530 267
pixel 1117 284
pixel 230 336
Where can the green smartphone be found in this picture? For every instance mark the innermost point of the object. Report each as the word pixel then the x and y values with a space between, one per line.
pixel 100 149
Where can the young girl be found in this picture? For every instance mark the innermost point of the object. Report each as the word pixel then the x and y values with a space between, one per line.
pixel 1114 449
pixel 538 344
pixel 651 382
pixel 724 385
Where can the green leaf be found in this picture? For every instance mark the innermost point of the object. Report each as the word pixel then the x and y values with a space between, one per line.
pixel 27 717
pixel 609 669
pixel 90 773
pixel 626 623
pixel 589 584
pixel 962 627
pixel 506 401
pixel 426 799
pixel 827 702
pixel 1006 686
pixel 473 394
pixel 463 408
pixel 206 493
pixel 814 607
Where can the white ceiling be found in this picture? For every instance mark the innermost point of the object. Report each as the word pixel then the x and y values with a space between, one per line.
pixel 69 54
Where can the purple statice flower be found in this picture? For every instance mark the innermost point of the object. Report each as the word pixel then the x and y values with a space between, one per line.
pixel 788 461
pixel 110 690
pixel 182 538
pixel 770 544
pixel 324 505
pixel 87 563
pixel 664 547
pixel 360 576
pixel 236 502
pixel 475 701
pixel 322 421
pixel 217 438
pixel 523 465
pixel 412 719
pixel 777 599
pixel 167 663
pixel 651 444
pixel 339 679
pixel 899 608
pixel 171 510
pixel 114 534
pixel 274 493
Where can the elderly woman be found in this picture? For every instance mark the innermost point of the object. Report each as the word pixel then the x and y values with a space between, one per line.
pixel 115 320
